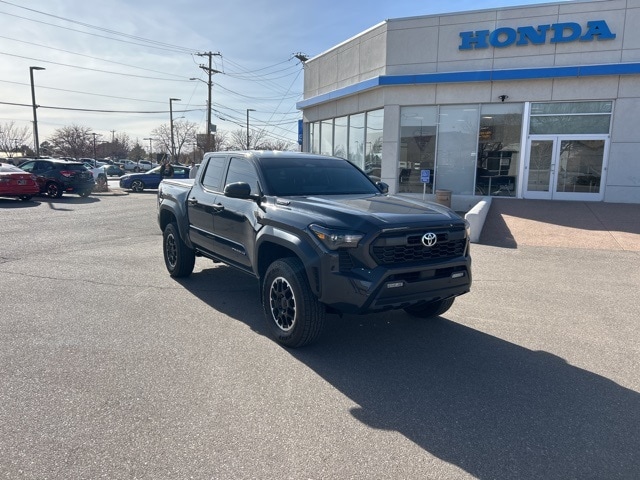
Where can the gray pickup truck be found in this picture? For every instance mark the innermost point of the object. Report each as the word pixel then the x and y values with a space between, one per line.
pixel 319 235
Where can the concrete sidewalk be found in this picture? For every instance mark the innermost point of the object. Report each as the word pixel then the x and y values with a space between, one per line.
pixel 587 225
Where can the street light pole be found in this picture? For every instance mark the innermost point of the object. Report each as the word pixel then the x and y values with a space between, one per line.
pixel 150 149
pixel 35 116
pixel 173 147
pixel 248 110
pixel 95 163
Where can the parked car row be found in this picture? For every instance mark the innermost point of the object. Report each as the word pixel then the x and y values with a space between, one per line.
pixel 54 177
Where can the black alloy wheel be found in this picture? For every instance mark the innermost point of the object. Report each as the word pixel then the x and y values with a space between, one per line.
pixel 178 257
pixel 293 313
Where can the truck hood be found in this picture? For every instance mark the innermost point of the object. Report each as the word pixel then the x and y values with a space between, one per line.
pixel 383 211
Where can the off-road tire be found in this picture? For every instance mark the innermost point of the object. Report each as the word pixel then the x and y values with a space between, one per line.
pixel 293 313
pixel 178 258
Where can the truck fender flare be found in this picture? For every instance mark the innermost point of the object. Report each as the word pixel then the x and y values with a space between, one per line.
pixel 167 215
pixel 292 242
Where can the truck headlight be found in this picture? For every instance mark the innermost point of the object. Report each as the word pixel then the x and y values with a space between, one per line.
pixel 334 238
pixel 467 228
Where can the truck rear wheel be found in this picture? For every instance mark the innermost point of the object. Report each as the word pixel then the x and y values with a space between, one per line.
pixel 294 315
pixel 178 258
pixel 431 309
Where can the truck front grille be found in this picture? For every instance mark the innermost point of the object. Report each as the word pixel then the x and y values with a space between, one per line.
pixel 409 248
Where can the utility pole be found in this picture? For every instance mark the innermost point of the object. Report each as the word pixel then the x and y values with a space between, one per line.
pixel 173 145
pixel 210 71
pixel 35 116
pixel 248 110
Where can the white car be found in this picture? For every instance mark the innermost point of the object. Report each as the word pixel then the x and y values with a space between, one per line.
pixel 141 166
pixel 146 165
pixel 99 173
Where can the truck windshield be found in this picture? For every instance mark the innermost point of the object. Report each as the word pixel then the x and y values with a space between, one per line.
pixel 288 177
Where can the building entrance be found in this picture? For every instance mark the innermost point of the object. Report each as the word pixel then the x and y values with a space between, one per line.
pixel 565 167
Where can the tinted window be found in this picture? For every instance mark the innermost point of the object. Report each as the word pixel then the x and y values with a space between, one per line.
pixel 317 176
pixel 213 174
pixel 240 170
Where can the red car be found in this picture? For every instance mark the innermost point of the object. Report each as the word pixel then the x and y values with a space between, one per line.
pixel 15 182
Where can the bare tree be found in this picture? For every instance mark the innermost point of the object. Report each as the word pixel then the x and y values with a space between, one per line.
pixel 238 140
pixel 184 133
pixel 282 145
pixel 257 141
pixel 219 142
pixel 13 138
pixel 74 141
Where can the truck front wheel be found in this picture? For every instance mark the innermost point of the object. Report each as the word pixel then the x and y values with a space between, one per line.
pixel 178 258
pixel 294 315
pixel 431 309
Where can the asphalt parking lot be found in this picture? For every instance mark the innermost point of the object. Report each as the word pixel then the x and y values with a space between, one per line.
pixel 112 369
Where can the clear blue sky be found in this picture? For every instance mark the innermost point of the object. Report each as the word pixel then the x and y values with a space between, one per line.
pixel 132 56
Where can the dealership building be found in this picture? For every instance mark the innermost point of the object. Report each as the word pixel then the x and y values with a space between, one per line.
pixel 539 102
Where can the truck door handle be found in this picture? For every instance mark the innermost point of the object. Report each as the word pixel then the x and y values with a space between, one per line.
pixel 192 201
pixel 218 207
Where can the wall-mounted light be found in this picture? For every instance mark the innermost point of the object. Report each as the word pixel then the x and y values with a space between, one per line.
pixel 503 97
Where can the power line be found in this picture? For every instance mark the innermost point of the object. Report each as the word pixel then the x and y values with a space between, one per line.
pixel 99 110
pixel 148 43
pixel 88 56
pixel 42 87
pixel 93 69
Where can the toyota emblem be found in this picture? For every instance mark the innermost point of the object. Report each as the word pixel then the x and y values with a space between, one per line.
pixel 429 239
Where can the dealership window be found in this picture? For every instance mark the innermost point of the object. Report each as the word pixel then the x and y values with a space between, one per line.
pixel 314 137
pixel 326 137
pixel 340 132
pixel 499 149
pixel 457 148
pixel 418 129
pixel 450 146
pixel 358 138
pixel 373 144
pixel 567 118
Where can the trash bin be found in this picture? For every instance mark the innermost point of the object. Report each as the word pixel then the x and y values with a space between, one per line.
pixel 443 197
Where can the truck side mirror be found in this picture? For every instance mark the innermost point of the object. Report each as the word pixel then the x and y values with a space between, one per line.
pixel 383 187
pixel 240 190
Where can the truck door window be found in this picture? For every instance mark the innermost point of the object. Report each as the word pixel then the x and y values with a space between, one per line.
pixel 240 170
pixel 213 174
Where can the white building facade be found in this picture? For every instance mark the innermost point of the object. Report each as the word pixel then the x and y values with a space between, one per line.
pixel 526 102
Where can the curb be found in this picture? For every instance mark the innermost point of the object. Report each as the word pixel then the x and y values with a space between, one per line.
pixel 112 192
pixel 476 217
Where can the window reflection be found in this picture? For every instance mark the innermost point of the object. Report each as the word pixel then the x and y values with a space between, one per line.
pixel 358 138
pixel 498 149
pixel 418 129
pixel 373 144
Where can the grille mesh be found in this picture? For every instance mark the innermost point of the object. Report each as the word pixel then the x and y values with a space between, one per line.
pixel 412 250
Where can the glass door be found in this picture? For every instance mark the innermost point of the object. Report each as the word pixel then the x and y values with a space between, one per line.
pixel 566 167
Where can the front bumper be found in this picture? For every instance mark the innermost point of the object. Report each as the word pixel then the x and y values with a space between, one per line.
pixel 362 290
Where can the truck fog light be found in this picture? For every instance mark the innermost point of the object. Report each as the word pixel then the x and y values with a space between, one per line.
pixel 457 275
